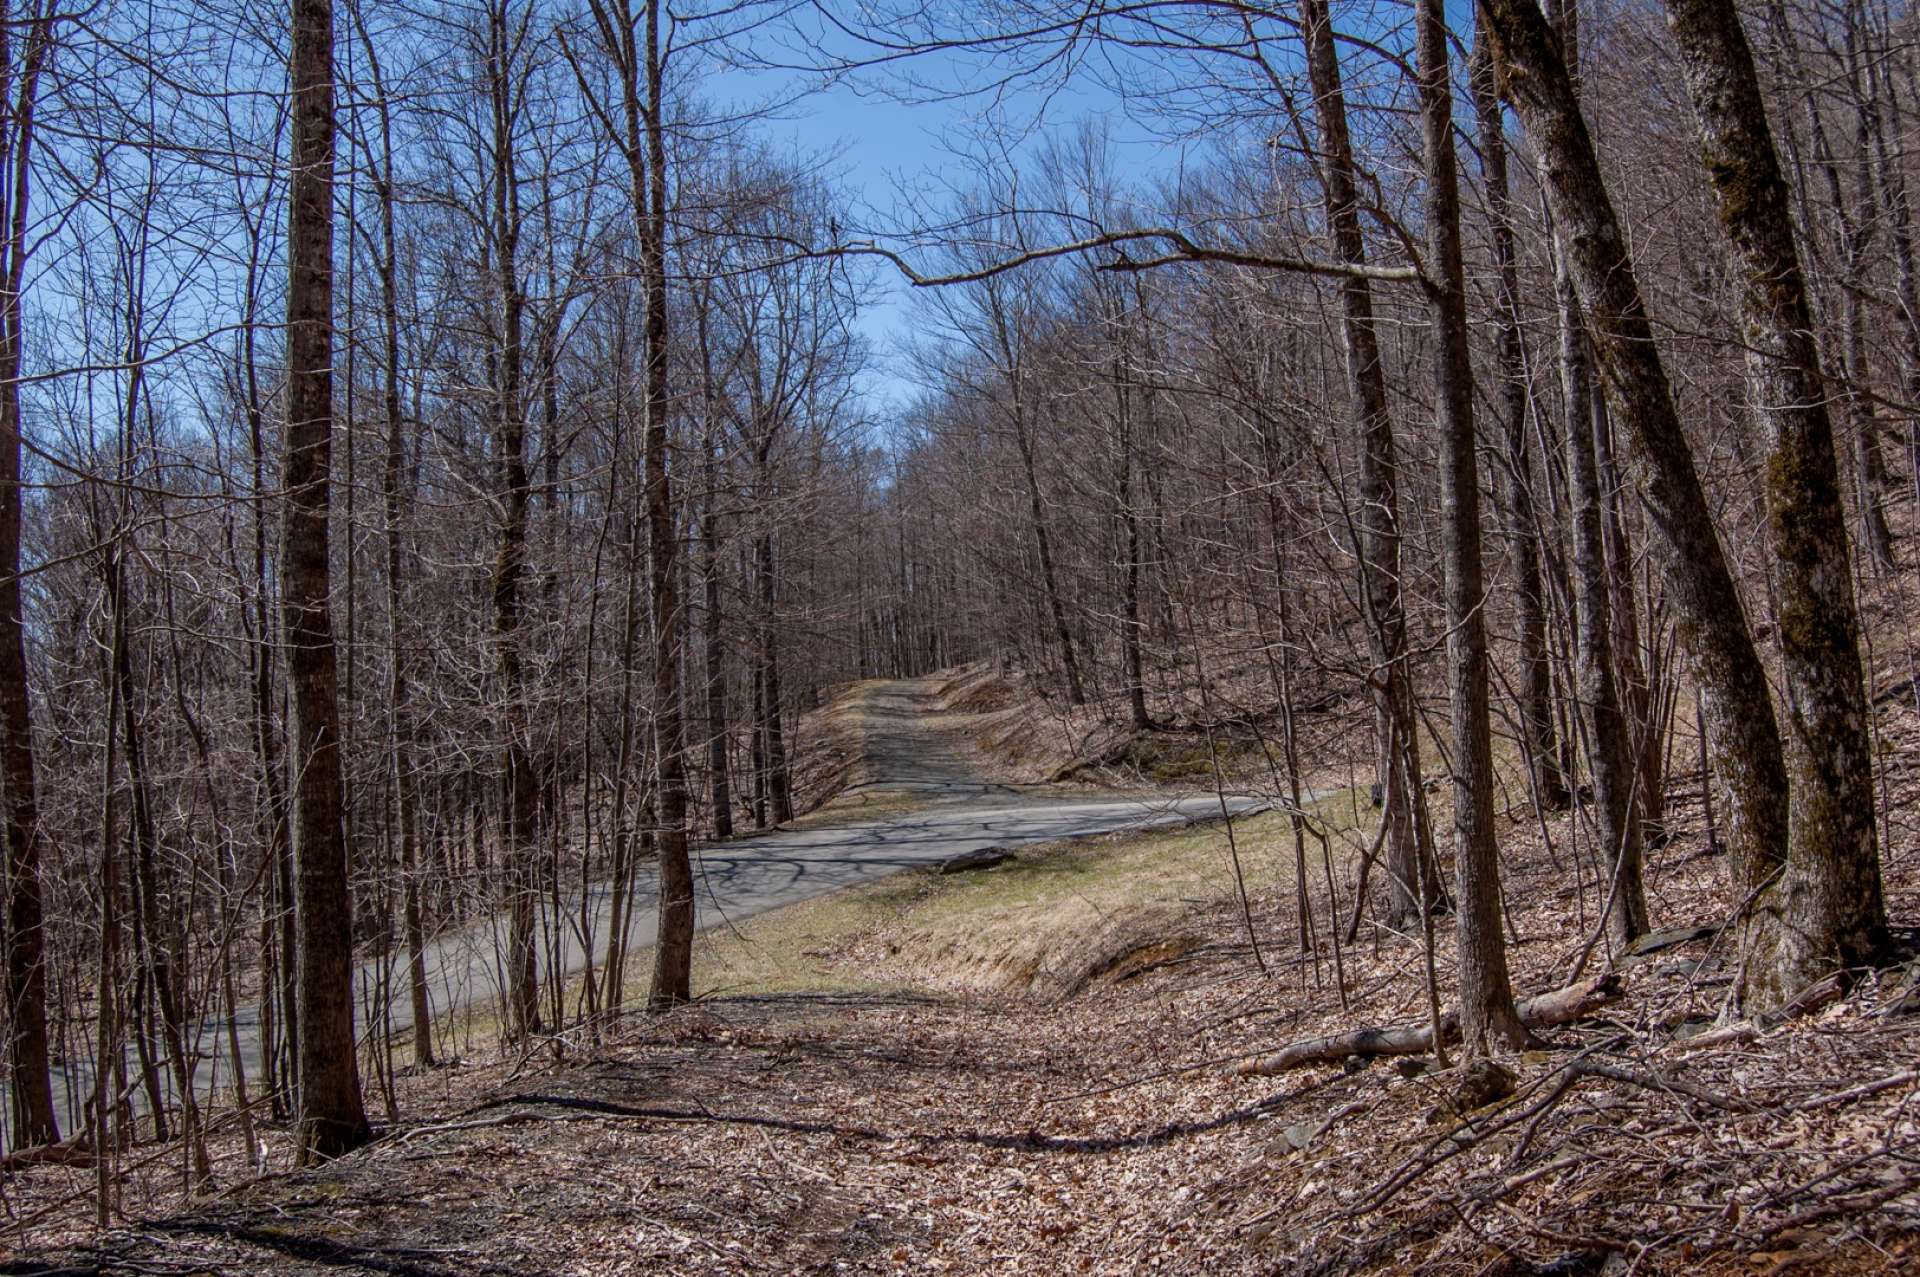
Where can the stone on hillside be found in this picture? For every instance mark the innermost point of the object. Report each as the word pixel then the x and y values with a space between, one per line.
pixel 978 858
pixel 1673 937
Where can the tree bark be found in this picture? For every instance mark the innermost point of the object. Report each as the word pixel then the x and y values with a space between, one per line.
pixel 673 951
pixel 1826 909
pixel 1515 485
pixel 720 787
pixel 331 1118
pixel 1609 746
pixel 1408 860
pixel 394 505
pixel 1130 591
pixel 1610 757
pixel 152 944
pixel 1890 182
pixel 779 779
pixel 1043 541
pixel 1561 1006
pixel 273 814
pixel 31 1086
pixel 518 797
pixel 1745 740
pixel 1596 673
pixel 1488 1020
pixel 1646 758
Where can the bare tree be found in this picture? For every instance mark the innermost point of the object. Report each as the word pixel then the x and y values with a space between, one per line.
pixel 1514 475
pixel 26 987
pixel 1824 910
pixel 630 41
pixel 1488 1019
pixel 331 1118
pixel 1412 873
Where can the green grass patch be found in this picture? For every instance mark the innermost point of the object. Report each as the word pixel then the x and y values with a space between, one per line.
pixel 1031 921
pixel 1035 923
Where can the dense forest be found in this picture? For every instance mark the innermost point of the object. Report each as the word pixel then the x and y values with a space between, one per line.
pixel 442 477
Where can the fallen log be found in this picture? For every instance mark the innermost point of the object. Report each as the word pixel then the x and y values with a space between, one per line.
pixel 1821 993
pixel 1574 1002
pixel 77 1151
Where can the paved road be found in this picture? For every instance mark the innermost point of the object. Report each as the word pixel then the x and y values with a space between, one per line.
pixel 904 753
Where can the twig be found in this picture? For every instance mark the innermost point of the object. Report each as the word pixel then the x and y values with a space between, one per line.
pixel 1858 1092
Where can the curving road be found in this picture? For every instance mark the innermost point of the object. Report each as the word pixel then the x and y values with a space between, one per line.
pixel 904 752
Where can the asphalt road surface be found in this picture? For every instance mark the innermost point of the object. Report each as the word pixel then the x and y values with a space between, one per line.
pixel 952 812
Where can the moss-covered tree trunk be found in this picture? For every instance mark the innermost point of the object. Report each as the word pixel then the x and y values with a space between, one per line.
pixel 1824 909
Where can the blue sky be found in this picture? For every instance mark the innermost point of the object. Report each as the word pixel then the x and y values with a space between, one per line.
pixel 885 154
pixel 889 143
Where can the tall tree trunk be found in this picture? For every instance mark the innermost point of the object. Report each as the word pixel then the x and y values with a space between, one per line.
pixel 1826 909
pixel 518 798
pixel 152 943
pixel 779 780
pixel 1515 484
pixel 1890 182
pixel 108 1051
pixel 272 814
pixel 621 904
pixel 1412 875
pixel 1488 1020
pixel 720 785
pixel 1596 672
pixel 1043 542
pixel 331 1117
pixel 1745 740
pixel 720 788
pixel 1130 523
pixel 279 1010
pixel 757 746
pixel 31 1085
pixel 1609 743
pixel 1853 228
pixel 1131 441
pixel 394 503
pixel 1630 671
pixel 673 951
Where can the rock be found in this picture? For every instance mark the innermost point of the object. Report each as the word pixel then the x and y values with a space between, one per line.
pixel 978 858
pixel 1580 1263
pixel 1673 937
pixel 1481 1083
pixel 1301 1134
pixel 1907 1002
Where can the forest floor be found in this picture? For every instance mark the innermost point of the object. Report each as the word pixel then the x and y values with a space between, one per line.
pixel 1032 1068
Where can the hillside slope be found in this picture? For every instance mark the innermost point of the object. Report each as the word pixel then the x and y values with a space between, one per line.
pixel 865 1098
